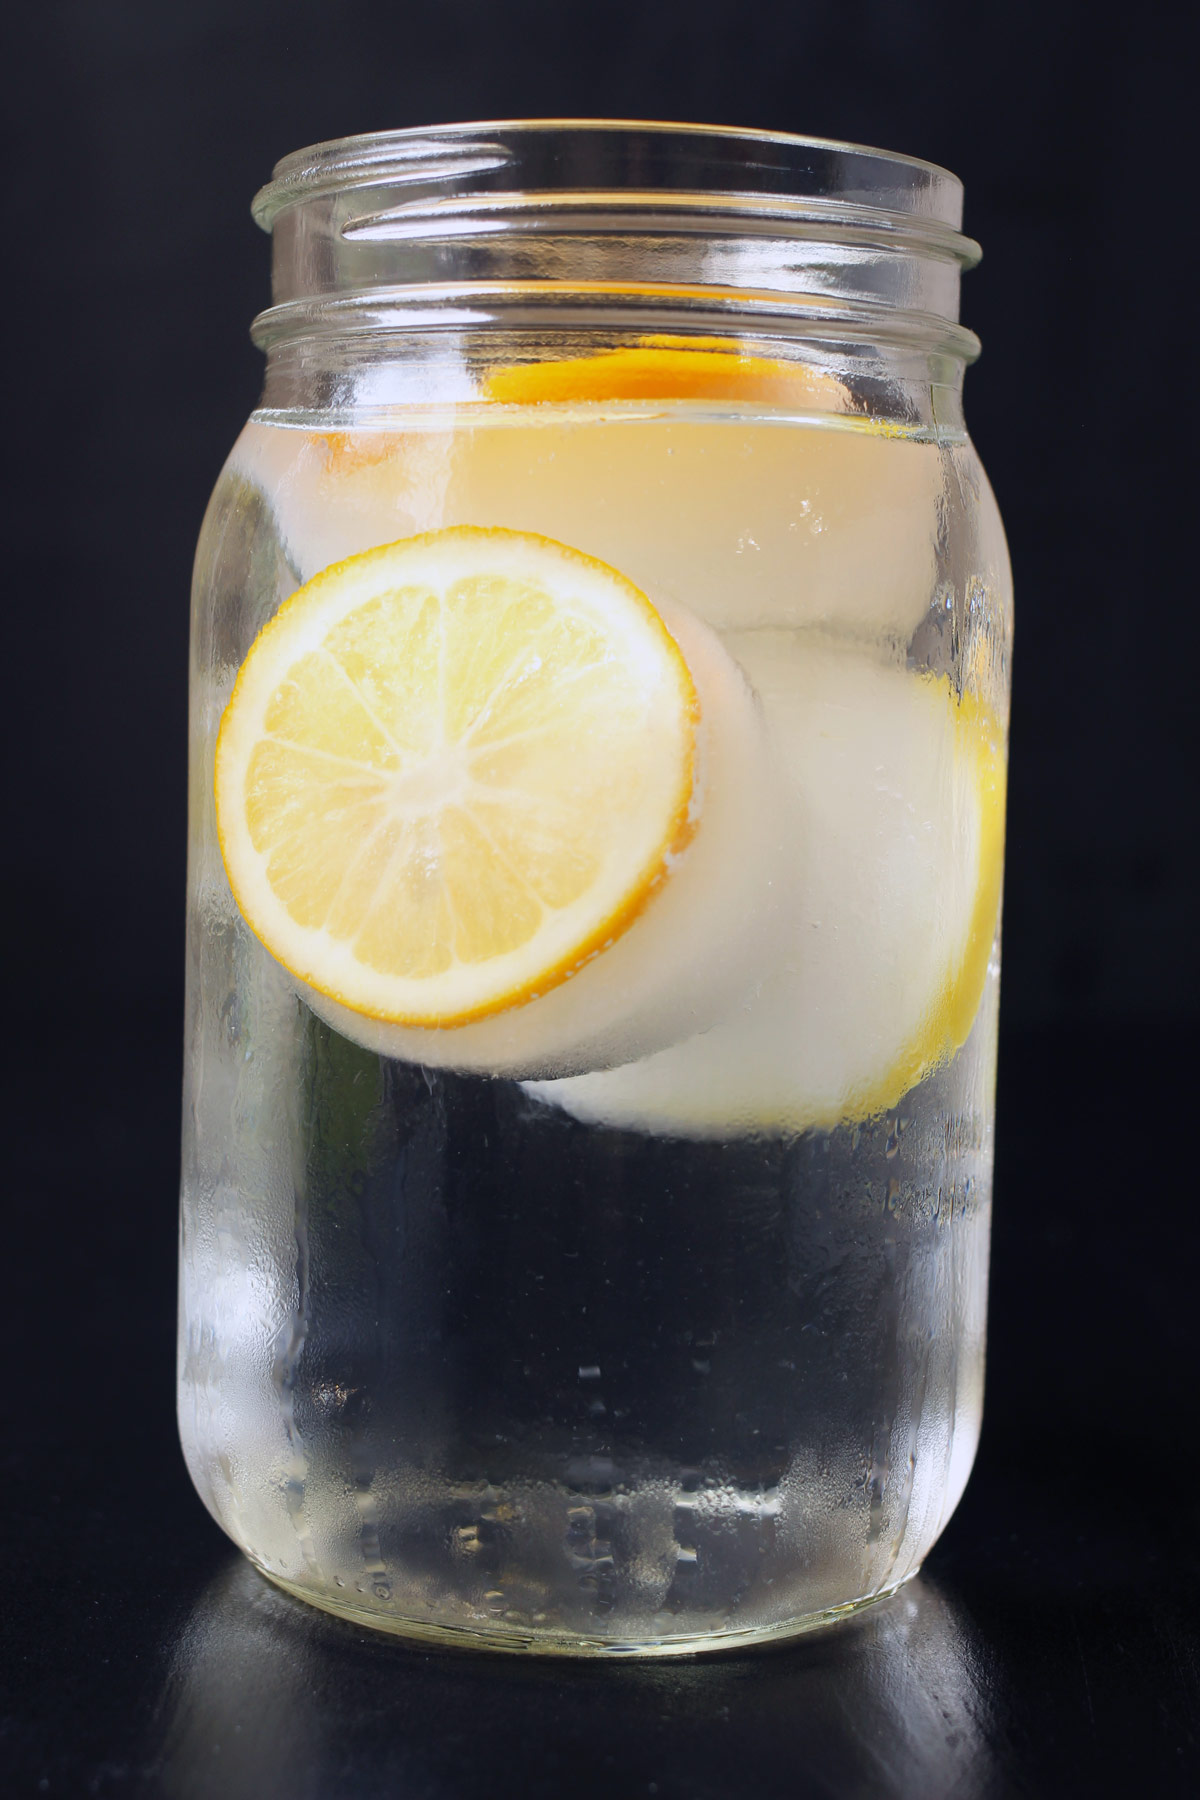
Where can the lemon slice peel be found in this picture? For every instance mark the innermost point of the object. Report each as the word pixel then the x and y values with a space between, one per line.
pixel 667 368
pixel 949 1020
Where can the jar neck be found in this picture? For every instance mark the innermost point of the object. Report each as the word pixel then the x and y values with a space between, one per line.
pixel 476 241
pixel 373 376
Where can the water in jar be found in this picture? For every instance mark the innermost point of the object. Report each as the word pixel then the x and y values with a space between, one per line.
pixel 675 1330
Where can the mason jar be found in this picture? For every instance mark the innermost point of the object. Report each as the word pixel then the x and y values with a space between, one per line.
pixel 600 651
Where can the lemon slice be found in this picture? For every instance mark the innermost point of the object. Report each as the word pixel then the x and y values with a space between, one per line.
pixel 894 793
pixel 456 769
pixel 670 368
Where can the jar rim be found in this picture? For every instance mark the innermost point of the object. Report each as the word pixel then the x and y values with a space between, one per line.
pixel 745 171
pixel 687 221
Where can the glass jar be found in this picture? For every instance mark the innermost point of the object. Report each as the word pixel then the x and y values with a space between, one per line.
pixel 594 896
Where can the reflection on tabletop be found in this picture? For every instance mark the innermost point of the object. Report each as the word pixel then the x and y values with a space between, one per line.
pixel 264 1696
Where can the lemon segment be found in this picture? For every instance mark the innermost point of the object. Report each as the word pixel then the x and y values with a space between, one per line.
pixel 892 796
pixel 452 770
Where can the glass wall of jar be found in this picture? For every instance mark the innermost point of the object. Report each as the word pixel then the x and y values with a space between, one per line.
pixel 600 666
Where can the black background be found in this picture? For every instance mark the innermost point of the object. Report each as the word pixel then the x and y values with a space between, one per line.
pixel 137 133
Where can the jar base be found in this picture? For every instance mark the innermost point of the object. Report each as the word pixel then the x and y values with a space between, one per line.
pixel 575 1644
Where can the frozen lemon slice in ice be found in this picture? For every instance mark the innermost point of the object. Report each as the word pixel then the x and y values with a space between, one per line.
pixel 765 498
pixel 452 771
pixel 743 487
pixel 895 800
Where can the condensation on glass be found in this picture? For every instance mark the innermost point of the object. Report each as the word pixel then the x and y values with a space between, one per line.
pixel 665 1335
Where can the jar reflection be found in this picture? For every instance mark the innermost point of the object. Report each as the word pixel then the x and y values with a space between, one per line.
pixel 264 1696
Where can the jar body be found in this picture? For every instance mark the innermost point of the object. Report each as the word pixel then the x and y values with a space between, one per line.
pixel 674 1342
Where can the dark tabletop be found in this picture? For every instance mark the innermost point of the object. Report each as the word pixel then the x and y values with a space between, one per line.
pixel 1049 1647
